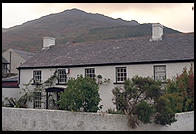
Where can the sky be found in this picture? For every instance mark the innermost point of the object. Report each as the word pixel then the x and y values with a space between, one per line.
pixel 178 16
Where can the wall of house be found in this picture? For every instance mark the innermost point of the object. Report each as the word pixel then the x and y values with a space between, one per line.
pixel 20 119
pixel 108 72
pixel 10 92
pixel 16 60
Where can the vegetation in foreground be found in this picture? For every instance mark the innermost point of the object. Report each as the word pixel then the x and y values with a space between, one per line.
pixel 144 99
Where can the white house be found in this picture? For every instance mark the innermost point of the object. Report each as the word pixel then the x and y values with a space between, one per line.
pixel 160 57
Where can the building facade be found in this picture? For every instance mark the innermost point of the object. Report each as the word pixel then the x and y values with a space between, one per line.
pixel 108 72
pixel 158 57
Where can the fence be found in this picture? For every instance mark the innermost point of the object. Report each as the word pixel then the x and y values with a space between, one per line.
pixel 21 119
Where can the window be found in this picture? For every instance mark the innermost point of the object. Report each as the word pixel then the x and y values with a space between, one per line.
pixel 37 100
pixel 121 74
pixel 62 76
pixel 90 72
pixel 37 76
pixel 160 72
pixel 4 69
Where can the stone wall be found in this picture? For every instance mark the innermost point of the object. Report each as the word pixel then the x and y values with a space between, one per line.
pixel 20 119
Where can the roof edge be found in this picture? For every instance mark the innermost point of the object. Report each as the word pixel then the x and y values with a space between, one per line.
pixel 107 64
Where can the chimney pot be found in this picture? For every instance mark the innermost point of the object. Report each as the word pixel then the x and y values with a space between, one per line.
pixel 47 42
pixel 157 32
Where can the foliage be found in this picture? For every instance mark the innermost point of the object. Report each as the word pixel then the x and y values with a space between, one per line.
pixel 113 111
pixel 101 80
pixel 81 94
pixel 29 93
pixel 165 114
pixel 144 111
pixel 13 102
pixel 141 98
pixel 175 102
pixel 183 87
pixel 137 92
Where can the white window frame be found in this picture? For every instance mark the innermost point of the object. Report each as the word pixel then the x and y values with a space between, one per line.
pixel 37 78
pixel 61 75
pixel 121 74
pixel 37 100
pixel 90 72
pixel 160 74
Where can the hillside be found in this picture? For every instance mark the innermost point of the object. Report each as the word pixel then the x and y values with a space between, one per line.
pixel 72 25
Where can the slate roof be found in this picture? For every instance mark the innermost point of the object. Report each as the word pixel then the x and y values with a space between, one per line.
pixel 13 78
pixel 4 61
pixel 24 54
pixel 173 47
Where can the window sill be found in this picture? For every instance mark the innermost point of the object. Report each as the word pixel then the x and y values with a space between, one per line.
pixel 61 83
pixel 36 84
pixel 118 83
pixel 164 82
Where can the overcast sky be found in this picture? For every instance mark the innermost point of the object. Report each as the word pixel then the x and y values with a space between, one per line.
pixel 179 16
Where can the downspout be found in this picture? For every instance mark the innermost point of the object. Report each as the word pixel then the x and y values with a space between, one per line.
pixel 10 61
pixel 18 76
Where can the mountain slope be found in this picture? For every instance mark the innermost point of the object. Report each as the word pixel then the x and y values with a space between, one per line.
pixel 71 25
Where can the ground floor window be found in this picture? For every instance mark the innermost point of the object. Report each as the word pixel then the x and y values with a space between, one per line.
pixel 37 100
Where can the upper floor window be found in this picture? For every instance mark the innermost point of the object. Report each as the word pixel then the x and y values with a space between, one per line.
pixel 121 74
pixel 37 100
pixel 90 72
pixel 160 72
pixel 37 76
pixel 62 76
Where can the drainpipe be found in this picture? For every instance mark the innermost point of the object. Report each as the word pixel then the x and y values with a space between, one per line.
pixel 10 60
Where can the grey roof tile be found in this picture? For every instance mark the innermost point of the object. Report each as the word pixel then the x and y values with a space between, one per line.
pixel 24 54
pixel 4 60
pixel 140 49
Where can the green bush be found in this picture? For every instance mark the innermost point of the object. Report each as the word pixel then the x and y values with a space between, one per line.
pixel 144 111
pixel 165 118
pixel 175 102
pixel 183 88
pixel 165 114
pixel 81 94
pixel 134 98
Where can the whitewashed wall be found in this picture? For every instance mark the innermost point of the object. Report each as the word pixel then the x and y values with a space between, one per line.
pixel 20 119
pixel 108 72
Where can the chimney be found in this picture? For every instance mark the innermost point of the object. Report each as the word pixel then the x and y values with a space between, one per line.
pixel 157 32
pixel 47 42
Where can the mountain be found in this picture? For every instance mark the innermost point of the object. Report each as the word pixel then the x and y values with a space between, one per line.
pixel 4 30
pixel 72 25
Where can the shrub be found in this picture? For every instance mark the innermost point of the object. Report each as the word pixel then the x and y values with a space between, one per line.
pixel 183 86
pixel 175 102
pixel 165 114
pixel 144 111
pixel 81 94
pixel 165 118
pixel 137 92
pixel 13 102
